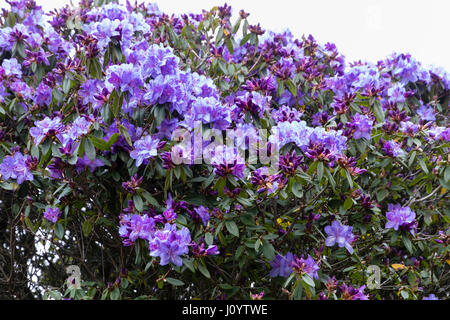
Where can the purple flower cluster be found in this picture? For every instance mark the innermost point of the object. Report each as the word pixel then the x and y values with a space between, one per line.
pixel 16 166
pixel 52 214
pixel 46 127
pixel 170 244
pixel 144 149
pixel 308 266
pixel 134 226
pixel 399 216
pixel 340 234
pixel 284 266
pixel 362 126
pixel 203 213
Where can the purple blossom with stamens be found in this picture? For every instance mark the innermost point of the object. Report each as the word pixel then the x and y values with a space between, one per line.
pixel 282 266
pixel 399 216
pixel 340 234
pixel 409 128
pixel 85 162
pixel 308 266
pixel 46 127
pixel 362 125
pixel 43 95
pixel 52 214
pixel 228 161
pixel 426 113
pixel 396 93
pixel 203 213
pixel 351 293
pixel 133 227
pixel 392 149
pixel 16 166
pixel 285 113
pixel 145 148
pixel 170 244
pixel 11 67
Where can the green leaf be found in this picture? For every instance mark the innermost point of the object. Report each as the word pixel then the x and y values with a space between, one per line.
pixel 89 149
pixel 379 113
pixel 291 87
pixel 113 139
pixel 268 250
pixel 308 280
pixel 297 295
pixel 407 243
pixel 174 282
pixel 150 199
pixel 320 171
pixel 59 230
pixel 349 179
pixel 447 174
pixel 209 239
pixel 189 264
pixel 99 143
pixel 382 194
pixel 423 166
pixel 204 270
pixel 232 227
pixel 411 158
pixel 297 189
pixel 348 203
pixel 115 294
pixel 86 228
pixel 138 203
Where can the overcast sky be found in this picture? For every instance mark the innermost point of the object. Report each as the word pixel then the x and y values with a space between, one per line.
pixel 361 29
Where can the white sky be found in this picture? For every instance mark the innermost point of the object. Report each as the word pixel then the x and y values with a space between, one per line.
pixel 361 29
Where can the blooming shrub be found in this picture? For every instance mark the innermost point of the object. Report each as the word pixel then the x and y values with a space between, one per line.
pixel 113 158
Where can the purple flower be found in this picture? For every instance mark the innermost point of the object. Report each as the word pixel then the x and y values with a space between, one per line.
pixel 392 149
pixel 227 161
pixel 159 61
pixel 308 266
pixel 166 128
pixel 16 167
pixel 52 214
pixel 133 227
pixel 396 93
pixel 430 297
pixel 285 113
pixel 203 213
pixel 399 216
pixel 170 244
pixel 351 293
pixel 440 133
pixel 46 127
pixel 43 95
pixel 320 118
pixel 145 148
pixel 124 77
pixel 426 113
pixel 409 128
pixel 209 110
pixel 362 125
pixel 199 250
pixel 282 266
pixel 86 162
pixel 340 234
pixel 12 67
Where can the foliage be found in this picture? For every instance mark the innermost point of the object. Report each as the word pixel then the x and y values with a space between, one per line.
pixel 88 105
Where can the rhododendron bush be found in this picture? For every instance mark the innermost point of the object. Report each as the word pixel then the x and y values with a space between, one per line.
pixel 202 157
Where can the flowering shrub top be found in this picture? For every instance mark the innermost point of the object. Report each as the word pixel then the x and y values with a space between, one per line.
pixel 112 158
